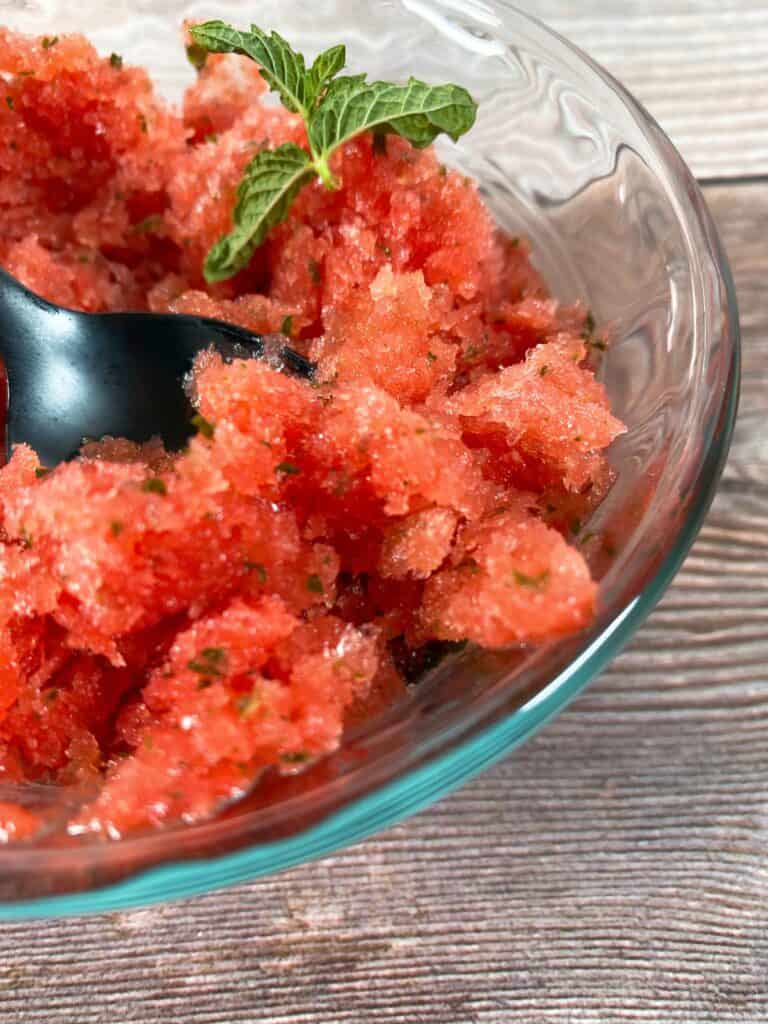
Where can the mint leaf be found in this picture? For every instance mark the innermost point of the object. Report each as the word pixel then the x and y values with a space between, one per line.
pixel 269 186
pixel 417 111
pixel 282 67
pixel 326 66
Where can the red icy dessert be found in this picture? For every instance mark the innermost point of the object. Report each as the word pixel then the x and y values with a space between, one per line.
pixel 171 625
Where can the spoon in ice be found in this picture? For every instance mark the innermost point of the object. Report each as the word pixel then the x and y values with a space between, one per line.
pixel 75 375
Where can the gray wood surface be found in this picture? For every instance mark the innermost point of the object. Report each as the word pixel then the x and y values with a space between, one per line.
pixel 613 870
pixel 700 66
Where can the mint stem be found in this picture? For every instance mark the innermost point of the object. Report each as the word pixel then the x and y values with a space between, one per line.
pixel 321 165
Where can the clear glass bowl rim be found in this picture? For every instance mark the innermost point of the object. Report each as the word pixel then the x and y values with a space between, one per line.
pixel 439 775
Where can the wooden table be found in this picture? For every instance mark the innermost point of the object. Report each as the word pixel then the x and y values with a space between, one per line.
pixel 615 869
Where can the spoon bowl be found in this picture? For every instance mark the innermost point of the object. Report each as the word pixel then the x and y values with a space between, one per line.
pixel 82 376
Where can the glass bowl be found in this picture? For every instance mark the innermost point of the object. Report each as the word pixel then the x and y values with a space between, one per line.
pixel 566 157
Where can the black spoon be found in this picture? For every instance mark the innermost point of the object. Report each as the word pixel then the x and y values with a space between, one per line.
pixel 75 375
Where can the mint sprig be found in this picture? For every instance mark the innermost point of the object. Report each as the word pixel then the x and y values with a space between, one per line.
pixel 334 110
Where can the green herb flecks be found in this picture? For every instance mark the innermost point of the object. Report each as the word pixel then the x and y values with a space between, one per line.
pixel 522 579
pixel 287 469
pixel 334 110
pixel 210 662
pixel 116 61
pixel 315 584
pixel 314 271
pixel 149 224
pixel 203 426
pixel 49 42
pixel 297 757
pixel 154 485
pixel 258 570
pixel 286 327
pixel 249 703
pixel 588 334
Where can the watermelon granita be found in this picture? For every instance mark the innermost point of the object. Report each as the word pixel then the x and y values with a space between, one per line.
pixel 171 625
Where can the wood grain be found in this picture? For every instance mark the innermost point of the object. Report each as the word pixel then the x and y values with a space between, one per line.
pixel 700 66
pixel 612 870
